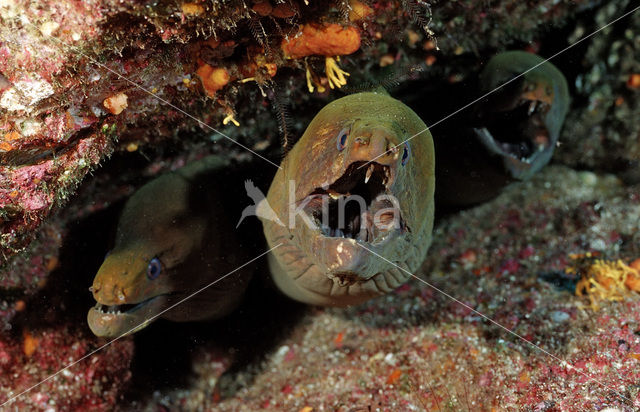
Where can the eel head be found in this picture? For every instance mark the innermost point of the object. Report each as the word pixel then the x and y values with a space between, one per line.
pixel 521 121
pixel 135 284
pixel 362 202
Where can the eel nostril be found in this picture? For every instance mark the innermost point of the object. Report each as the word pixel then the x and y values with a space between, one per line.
pixel 362 141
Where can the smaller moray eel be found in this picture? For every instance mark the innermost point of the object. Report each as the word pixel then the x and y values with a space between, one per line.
pixel 173 238
pixel 322 263
pixel 511 134
pixel 524 118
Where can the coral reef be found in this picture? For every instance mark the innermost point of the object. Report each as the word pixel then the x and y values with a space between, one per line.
pixel 97 97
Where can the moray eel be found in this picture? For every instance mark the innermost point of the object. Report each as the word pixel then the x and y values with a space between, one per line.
pixel 348 184
pixel 522 121
pixel 509 136
pixel 173 238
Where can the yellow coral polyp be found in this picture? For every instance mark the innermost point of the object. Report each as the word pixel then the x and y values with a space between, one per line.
pixel 312 83
pixel 230 119
pixel 335 74
pixel 608 280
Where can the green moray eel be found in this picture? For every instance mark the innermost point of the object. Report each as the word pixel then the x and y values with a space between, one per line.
pixel 323 228
pixel 173 238
pixel 522 121
pixel 509 136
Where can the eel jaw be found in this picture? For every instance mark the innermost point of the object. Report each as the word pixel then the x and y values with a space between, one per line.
pixel 121 320
pixel 337 240
pixel 519 134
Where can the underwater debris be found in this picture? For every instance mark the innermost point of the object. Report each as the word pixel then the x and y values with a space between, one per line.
pixel 610 280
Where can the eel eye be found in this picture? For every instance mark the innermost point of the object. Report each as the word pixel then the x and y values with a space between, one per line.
pixel 342 139
pixel 154 268
pixel 405 154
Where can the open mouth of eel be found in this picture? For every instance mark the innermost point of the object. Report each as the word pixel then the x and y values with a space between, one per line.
pixel 519 132
pixel 117 320
pixel 127 308
pixel 359 205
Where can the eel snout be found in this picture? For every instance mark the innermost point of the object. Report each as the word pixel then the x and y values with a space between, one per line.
pixel 373 143
pixel 121 306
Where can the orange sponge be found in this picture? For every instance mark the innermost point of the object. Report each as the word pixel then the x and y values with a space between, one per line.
pixel 323 40
pixel 213 78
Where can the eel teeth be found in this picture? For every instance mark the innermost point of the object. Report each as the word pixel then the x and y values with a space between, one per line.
pixel 368 174
pixel 532 107
pixel 111 310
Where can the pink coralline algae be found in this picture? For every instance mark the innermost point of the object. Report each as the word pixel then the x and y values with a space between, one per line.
pixel 94 384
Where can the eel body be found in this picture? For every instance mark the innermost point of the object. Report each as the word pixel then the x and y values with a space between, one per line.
pixel 351 184
pixel 173 238
pixel 511 134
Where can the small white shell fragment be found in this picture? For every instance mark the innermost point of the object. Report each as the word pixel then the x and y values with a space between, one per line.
pixel 49 27
pixel 24 94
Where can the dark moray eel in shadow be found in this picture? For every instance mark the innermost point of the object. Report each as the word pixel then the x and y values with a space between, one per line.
pixel 173 238
pixel 508 136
